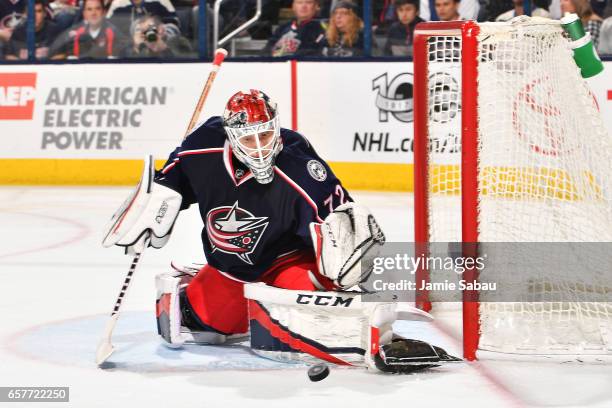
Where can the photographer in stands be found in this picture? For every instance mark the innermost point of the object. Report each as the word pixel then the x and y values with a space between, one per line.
pixel 150 40
pixel 123 14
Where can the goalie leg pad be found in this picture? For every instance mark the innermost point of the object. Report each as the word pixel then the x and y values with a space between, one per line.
pixel 167 308
pixel 308 326
pixel 176 321
pixel 336 327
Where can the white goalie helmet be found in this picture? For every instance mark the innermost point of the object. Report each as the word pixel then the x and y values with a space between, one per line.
pixel 252 126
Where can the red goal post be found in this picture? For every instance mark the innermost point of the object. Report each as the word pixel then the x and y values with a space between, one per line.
pixel 468 31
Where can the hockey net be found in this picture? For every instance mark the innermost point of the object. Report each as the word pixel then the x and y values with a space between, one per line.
pixel 510 147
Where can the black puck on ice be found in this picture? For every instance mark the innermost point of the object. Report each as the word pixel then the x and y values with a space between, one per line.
pixel 318 372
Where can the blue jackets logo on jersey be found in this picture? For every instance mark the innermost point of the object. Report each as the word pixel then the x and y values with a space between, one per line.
pixel 234 230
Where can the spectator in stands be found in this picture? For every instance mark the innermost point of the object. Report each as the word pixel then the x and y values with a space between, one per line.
pixel 344 34
pixel 123 13
pixel 45 33
pixel 384 16
pixel 467 9
pixel 401 33
pixel 448 10
pixel 11 14
pixel 150 40
pixel 66 13
pixel 302 36
pixel 94 37
pixel 519 11
pixel 599 6
pixel 490 9
pixel 591 21
pixel 605 38
pixel 608 10
pixel 555 9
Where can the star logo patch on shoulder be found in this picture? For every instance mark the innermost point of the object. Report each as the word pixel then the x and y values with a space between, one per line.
pixel 235 231
pixel 316 170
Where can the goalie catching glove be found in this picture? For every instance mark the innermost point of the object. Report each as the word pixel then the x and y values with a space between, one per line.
pixel 346 244
pixel 150 211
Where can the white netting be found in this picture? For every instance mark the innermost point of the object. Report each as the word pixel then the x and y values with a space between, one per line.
pixel 544 176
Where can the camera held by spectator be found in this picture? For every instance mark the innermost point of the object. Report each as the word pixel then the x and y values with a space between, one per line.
pixel 123 14
pixel 150 39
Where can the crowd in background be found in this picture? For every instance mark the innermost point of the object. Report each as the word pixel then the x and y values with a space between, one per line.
pixel 96 29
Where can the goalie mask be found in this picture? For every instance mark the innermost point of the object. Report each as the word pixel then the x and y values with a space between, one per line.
pixel 252 126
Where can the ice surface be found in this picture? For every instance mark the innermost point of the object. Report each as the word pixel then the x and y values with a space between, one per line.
pixel 58 286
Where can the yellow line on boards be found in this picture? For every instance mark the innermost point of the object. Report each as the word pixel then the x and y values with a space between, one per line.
pixel 354 176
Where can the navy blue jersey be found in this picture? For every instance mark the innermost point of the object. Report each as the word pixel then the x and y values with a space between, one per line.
pixel 292 38
pixel 248 225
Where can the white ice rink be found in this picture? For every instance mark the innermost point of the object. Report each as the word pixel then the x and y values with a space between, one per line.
pixel 58 286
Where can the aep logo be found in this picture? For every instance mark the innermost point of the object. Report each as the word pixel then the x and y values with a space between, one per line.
pixel 17 92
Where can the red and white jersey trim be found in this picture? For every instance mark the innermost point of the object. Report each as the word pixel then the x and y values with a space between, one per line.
pixel 200 151
pixel 169 166
pixel 227 160
pixel 227 275
pixel 188 153
pixel 287 253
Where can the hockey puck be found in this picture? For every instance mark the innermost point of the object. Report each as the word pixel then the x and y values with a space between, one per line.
pixel 318 372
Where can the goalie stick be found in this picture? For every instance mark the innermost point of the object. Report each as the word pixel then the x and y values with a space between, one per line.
pixel 220 55
pixel 105 347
